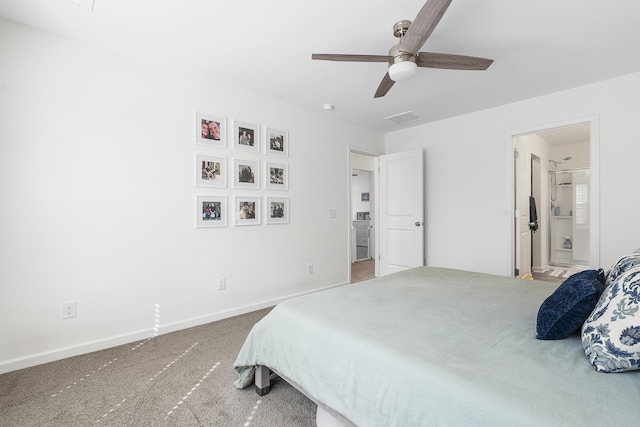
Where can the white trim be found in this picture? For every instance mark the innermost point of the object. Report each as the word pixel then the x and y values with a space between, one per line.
pixel 376 255
pixel 348 221
pixel 510 148
pixel 144 334
pixel 594 165
pixel 363 151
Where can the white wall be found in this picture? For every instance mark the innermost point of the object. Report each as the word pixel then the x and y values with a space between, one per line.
pixel 578 152
pixel 468 173
pixel 97 173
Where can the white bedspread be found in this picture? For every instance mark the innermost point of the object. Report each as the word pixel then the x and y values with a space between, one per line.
pixel 437 347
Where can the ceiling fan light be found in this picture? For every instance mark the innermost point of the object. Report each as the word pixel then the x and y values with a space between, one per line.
pixel 401 71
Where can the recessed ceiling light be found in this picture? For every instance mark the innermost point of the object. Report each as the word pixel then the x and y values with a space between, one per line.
pixel 327 107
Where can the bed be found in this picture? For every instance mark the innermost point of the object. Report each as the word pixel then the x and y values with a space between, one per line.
pixel 430 347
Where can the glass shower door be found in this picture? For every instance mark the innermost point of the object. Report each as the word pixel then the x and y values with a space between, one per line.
pixel 581 220
pixel 569 218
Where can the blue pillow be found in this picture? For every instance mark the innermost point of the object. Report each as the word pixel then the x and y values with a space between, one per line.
pixel 564 311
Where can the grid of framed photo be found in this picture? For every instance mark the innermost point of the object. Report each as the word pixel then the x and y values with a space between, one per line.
pixel 212 211
pixel 276 142
pixel 246 137
pixel 247 210
pixel 211 130
pixel 276 176
pixel 277 210
pixel 211 171
pixel 246 174
pixel 247 171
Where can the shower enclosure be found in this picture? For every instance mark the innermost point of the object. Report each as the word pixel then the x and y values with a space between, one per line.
pixel 569 216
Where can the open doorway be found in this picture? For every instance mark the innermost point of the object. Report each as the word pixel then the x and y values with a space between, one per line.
pixel 362 216
pixel 555 186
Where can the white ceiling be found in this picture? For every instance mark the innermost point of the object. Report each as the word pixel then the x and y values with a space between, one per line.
pixel 539 47
pixel 567 135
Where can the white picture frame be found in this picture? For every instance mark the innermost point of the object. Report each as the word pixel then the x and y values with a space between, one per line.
pixel 246 210
pixel 246 174
pixel 211 130
pixel 276 210
pixel 246 137
pixel 211 171
pixel 276 176
pixel 211 211
pixel 276 142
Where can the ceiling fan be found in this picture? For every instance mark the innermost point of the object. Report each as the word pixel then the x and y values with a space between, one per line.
pixel 404 57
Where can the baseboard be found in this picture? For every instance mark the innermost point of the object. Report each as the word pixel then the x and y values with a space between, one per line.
pixel 101 344
pixel 208 318
pixel 76 350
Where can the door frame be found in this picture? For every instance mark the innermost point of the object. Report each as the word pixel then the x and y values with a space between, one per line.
pixel 349 224
pixel 594 160
pixel 536 238
pixel 522 232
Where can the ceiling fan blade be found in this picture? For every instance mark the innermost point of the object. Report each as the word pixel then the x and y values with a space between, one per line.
pixel 384 87
pixel 452 62
pixel 352 58
pixel 422 27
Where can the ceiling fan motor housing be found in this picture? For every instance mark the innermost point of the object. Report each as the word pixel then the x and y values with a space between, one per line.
pixel 402 66
pixel 400 28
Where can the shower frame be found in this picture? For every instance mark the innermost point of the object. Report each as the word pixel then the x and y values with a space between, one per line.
pixel 560 217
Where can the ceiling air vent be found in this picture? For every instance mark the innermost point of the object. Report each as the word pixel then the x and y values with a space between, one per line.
pixel 404 118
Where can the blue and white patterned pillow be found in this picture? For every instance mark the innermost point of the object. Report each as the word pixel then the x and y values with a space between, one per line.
pixel 611 334
pixel 623 264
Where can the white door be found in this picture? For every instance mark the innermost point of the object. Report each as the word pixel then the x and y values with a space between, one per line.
pixel 523 191
pixel 401 211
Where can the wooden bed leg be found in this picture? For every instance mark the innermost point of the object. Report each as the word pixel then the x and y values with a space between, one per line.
pixel 262 380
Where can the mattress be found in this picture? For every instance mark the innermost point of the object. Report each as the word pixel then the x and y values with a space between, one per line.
pixel 435 346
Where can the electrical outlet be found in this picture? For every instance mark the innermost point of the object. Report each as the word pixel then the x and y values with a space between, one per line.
pixel 222 285
pixel 309 268
pixel 68 310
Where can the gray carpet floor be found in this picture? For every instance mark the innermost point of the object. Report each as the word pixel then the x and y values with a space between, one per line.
pixel 183 378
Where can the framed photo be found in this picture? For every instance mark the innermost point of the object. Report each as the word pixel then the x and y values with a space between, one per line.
pixel 276 142
pixel 211 211
pixel 246 174
pixel 211 130
pixel 246 137
pixel 364 197
pixel 211 171
pixel 247 210
pixel 277 210
pixel 276 176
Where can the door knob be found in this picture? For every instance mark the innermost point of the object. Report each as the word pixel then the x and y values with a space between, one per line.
pixel 418 223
